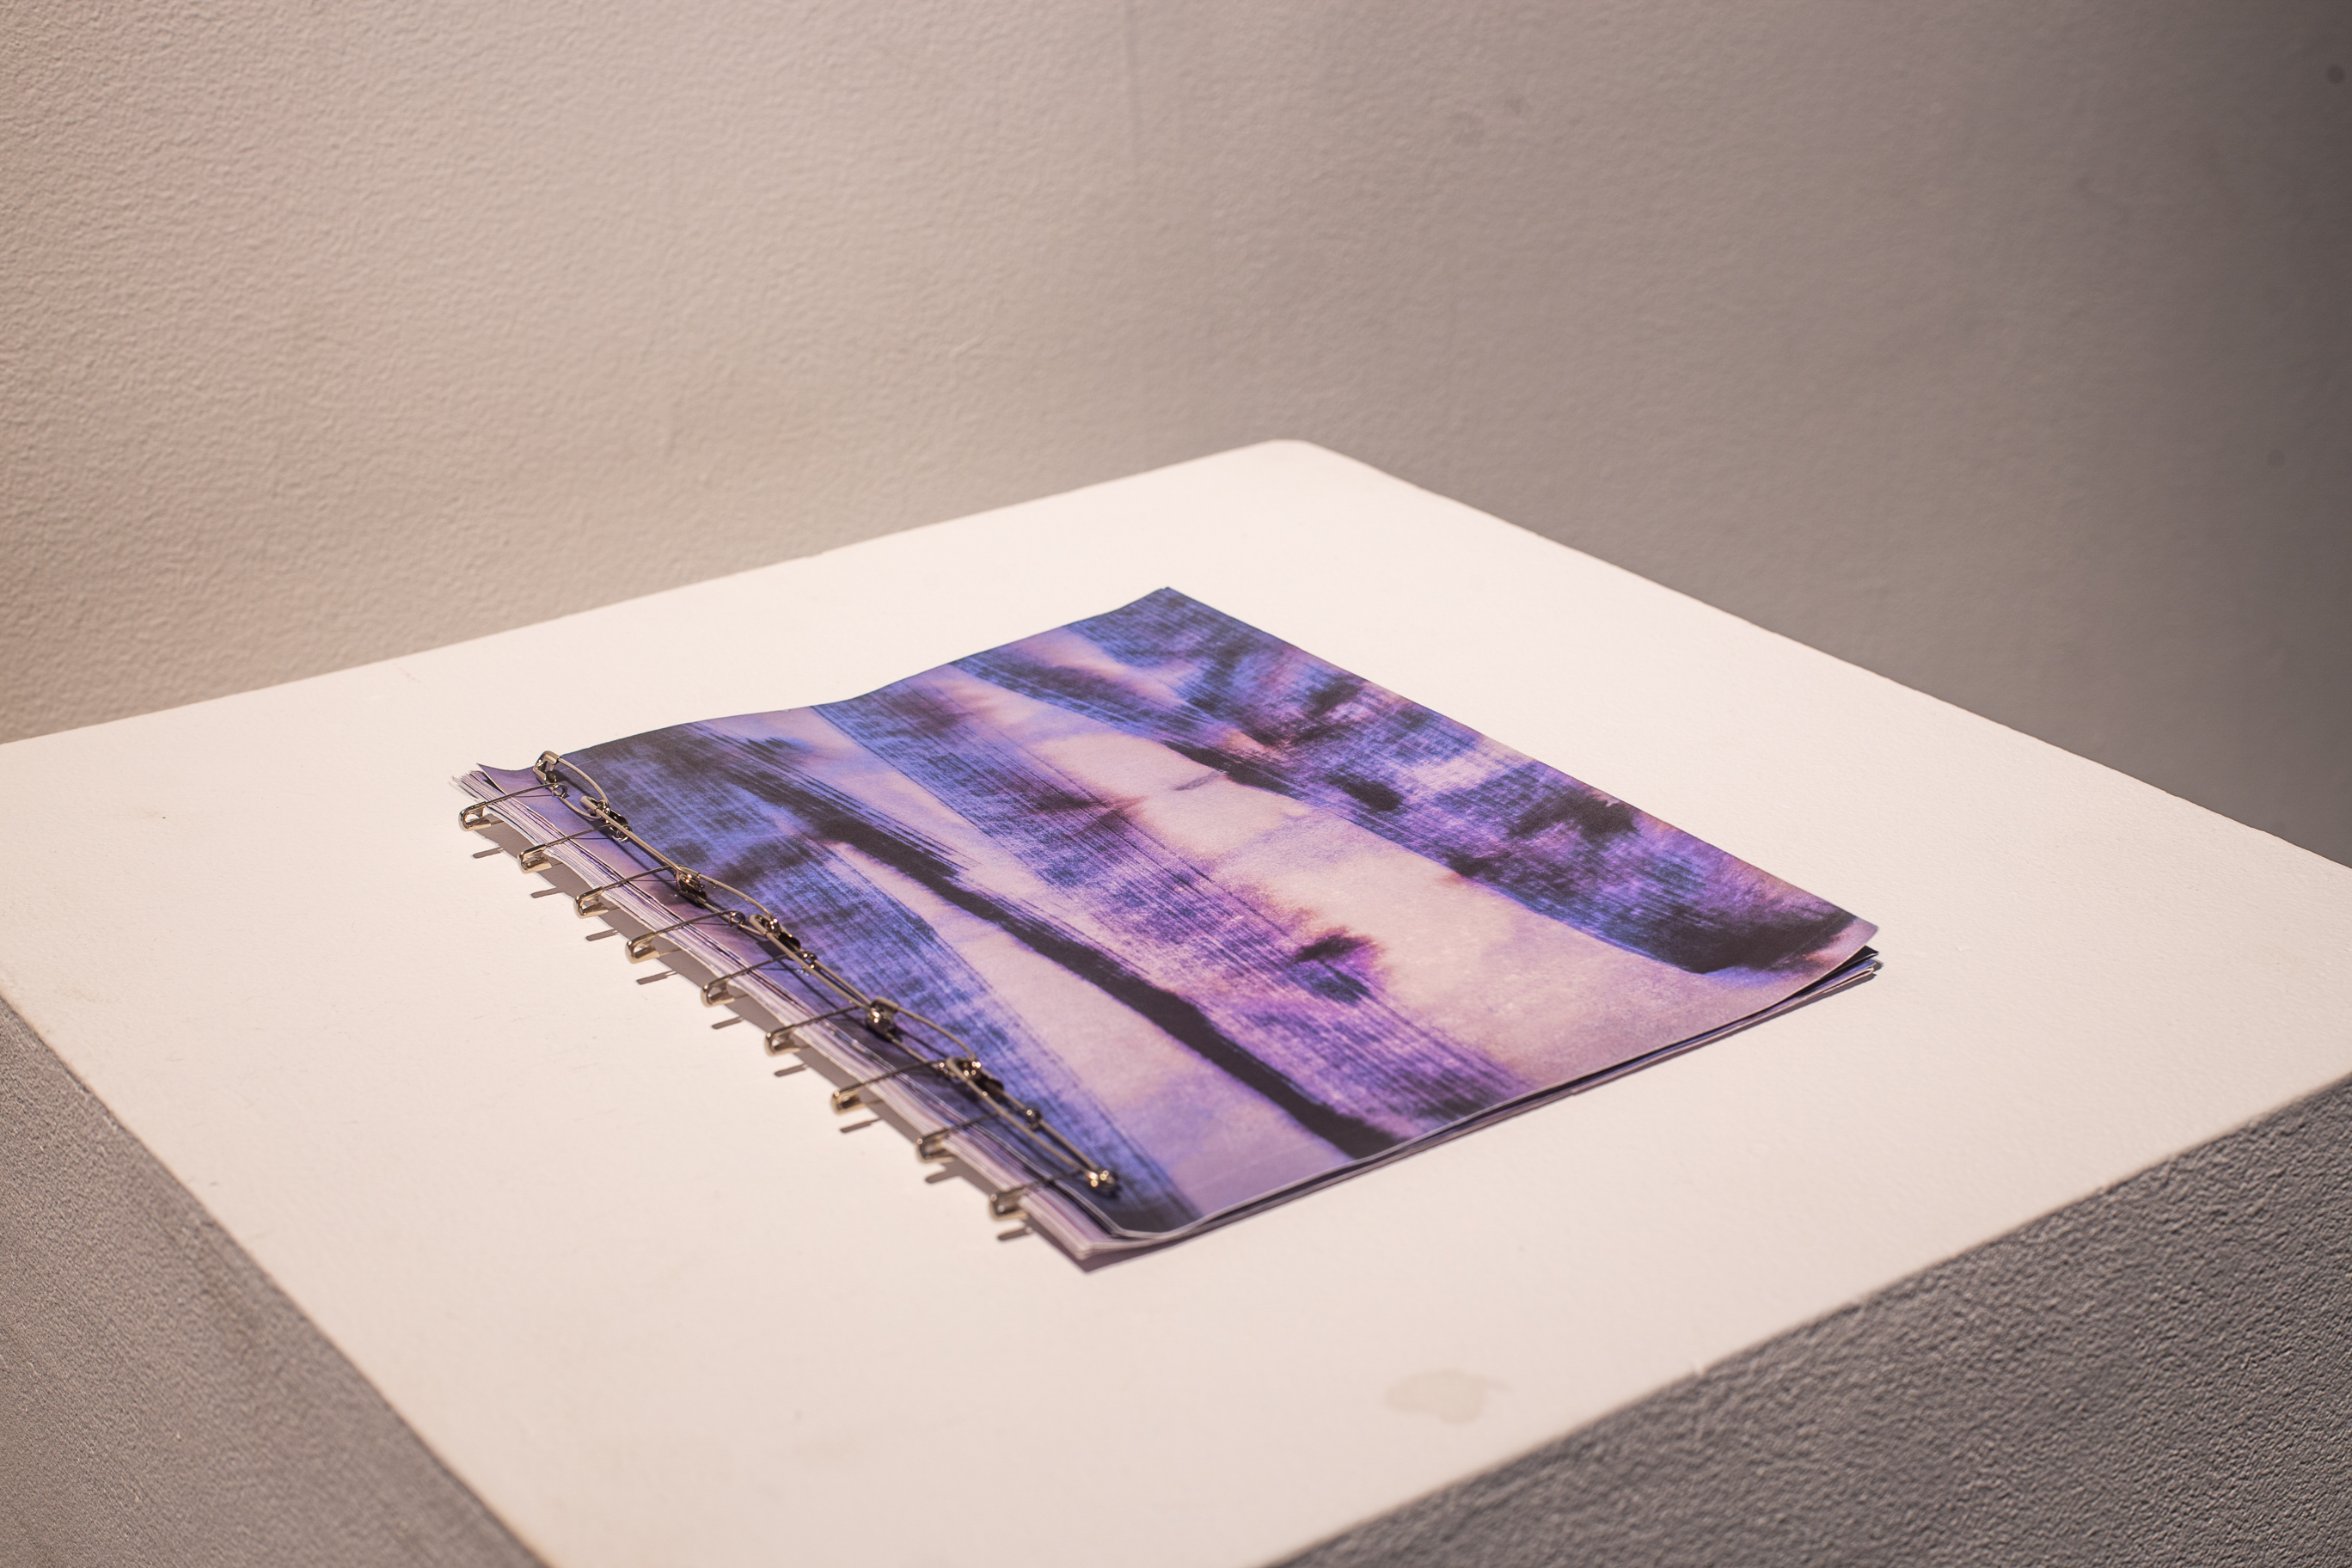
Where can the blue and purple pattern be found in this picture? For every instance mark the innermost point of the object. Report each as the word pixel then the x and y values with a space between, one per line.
pixel 1232 916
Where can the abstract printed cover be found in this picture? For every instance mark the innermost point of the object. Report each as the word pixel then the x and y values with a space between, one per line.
pixel 1235 919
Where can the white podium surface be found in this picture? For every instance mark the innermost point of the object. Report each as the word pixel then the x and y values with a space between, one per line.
pixel 646 1301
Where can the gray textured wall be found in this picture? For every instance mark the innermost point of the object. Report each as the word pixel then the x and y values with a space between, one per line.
pixel 2000 345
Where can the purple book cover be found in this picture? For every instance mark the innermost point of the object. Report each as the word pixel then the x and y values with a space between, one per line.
pixel 1233 920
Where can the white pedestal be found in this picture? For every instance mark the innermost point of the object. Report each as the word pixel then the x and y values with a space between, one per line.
pixel 646 1302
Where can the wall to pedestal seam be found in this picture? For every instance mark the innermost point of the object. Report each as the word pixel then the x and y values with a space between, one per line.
pixel 2000 348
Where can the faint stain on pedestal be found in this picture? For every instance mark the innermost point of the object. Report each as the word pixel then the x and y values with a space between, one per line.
pixel 1453 1397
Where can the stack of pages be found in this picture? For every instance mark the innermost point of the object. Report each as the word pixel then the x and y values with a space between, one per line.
pixel 1149 921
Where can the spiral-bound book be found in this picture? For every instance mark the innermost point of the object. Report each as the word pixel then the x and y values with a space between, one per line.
pixel 1149 921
